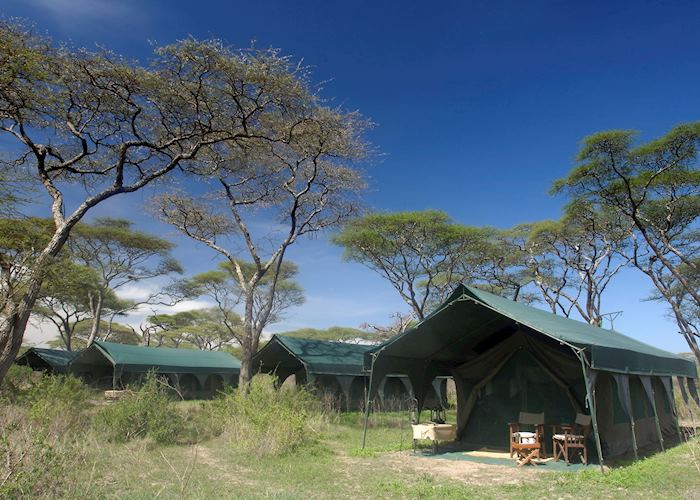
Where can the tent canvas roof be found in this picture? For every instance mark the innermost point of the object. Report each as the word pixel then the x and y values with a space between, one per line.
pixel 321 357
pixel 139 359
pixel 55 357
pixel 469 311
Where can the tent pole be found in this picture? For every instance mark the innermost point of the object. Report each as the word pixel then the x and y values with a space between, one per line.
pixel 656 416
pixel 590 398
pixel 634 438
pixel 674 408
pixel 367 393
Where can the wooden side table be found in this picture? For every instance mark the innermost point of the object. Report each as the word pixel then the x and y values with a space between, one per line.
pixel 433 432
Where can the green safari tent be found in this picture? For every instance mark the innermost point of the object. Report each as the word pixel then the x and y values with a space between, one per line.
pixel 194 372
pixel 507 357
pixel 46 360
pixel 336 369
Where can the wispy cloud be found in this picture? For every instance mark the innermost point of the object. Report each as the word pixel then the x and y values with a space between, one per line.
pixel 93 9
pixel 39 333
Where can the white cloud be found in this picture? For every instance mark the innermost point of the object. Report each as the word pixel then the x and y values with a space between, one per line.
pixel 39 333
pixel 93 9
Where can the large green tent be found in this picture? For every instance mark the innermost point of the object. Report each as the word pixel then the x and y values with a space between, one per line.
pixel 336 368
pixel 195 372
pixel 46 360
pixel 507 357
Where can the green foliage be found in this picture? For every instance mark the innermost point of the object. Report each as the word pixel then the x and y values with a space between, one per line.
pixel 205 329
pixel 654 188
pixel 17 382
pixel 38 461
pixel 342 333
pixel 58 399
pixel 424 255
pixel 268 421
pixel 223 286
pixel 148 411
pixel 120 253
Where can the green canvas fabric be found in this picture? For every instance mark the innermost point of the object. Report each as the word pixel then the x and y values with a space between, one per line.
pixel 56 359
pixel 132 358
pixel 470 313
pixel 318 356
pixel 335 367
pixel 507 357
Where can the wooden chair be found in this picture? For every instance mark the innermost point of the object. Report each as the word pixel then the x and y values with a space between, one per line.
pixel 567 437
pixel 527 444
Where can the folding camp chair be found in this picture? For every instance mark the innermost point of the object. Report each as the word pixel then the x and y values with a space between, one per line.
pixel 568 437
pixel 527 444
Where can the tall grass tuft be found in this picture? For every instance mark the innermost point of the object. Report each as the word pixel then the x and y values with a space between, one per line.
pixel 148 411
pixel 42 424
pixel 268 421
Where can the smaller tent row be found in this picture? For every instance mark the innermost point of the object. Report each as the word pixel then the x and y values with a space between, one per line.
pixel 46 360
pixel 336 369
pixel 193 372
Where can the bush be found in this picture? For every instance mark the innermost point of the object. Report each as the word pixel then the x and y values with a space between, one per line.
pixel 265 420
pixel 58 400
pixel 37 461
pixel 18 380
pixel 146 412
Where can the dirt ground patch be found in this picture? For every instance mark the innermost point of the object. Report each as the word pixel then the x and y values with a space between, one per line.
pixel 467 472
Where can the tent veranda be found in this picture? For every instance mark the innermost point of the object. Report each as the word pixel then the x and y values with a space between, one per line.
pixel 336 368
pixel 46 360
pixel 191 370
pixel 507 357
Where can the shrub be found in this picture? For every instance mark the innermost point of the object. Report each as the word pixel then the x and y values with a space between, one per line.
pixel 146 412
pixel 17 382
pixel 37 461
pixel 58 400
pixel 265 420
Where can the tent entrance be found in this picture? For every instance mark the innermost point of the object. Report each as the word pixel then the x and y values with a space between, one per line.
pixel 520 383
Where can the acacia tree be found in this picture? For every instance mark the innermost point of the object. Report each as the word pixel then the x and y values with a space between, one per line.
pixel 64 298
pixel 574 259
pixel 273 294
pixel 120 255
pixel 205 329
pixel 113 127
pixel 335 334
pixel 500 266
pixel 306 184
pixel 655 187
pixel 113 332
pixel 421 254
pixel 20 243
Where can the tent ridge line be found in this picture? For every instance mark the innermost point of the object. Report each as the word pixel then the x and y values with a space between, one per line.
pixel 576 349
pixel 105 352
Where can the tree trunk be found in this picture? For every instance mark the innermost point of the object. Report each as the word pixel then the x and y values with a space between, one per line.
pixel 246 368
pixel 68 335
pixel 96 318
pixel 248 341
pixel 685 330
pixel 12 333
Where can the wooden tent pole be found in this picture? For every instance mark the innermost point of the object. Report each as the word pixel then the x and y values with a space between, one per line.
pixel 590 398
pixel 367 399
pixel 656 414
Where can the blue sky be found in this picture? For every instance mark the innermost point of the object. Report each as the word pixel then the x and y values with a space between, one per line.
pixel 478 105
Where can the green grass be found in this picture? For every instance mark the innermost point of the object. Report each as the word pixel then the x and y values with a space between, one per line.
pixel 338 468
pixel 332 465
